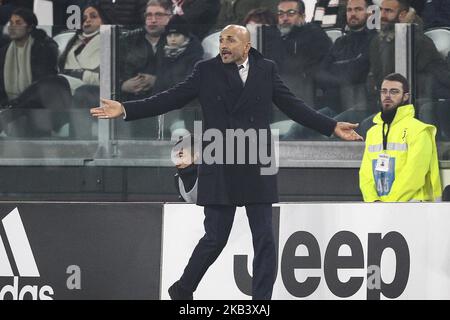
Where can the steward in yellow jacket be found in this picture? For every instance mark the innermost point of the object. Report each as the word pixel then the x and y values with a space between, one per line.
pixel 400 161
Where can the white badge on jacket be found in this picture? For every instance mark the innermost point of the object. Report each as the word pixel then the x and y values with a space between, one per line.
pixel 383 162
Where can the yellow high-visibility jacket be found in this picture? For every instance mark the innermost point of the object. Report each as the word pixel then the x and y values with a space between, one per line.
pixel 413 165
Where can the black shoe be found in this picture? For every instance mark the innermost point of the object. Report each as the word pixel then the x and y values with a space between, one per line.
pixel 176 292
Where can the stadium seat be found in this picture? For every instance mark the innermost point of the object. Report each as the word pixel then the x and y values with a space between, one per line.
pixel 441 39
pixel 63 38
pixel 211 45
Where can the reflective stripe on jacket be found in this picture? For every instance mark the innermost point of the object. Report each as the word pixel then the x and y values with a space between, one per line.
pixel 413 165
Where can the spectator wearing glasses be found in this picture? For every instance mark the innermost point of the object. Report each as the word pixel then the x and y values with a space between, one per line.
pixel 142 50
pixel 304 46
pixel 400 160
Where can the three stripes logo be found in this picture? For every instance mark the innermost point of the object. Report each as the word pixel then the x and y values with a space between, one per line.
pixel 24 260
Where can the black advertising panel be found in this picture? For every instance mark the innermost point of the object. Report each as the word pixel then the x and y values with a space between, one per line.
pixel 80 251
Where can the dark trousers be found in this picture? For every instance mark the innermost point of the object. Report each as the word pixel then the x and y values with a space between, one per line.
pixel 218 222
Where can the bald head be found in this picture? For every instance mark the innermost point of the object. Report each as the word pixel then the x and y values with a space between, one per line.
pixel 240 31
pixel 234 44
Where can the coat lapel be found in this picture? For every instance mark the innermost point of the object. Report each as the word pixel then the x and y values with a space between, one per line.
pixel 250 85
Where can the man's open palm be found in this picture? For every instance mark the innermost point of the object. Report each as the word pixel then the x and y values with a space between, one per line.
pixel 109 109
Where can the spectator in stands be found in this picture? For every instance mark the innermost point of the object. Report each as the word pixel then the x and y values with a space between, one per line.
pixel 182 51
pixel 400 161
pixel 433 73
pixel 142 50
pixel 272 41
pixel 200 14
pixel 122 12
pixel 28 68
pixel 304 46
pixel 81 58
pixel 344 71
pixel 436 13
pixel 330 13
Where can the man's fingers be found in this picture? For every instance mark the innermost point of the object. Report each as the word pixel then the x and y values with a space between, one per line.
pixel 352 125
pixel 358 137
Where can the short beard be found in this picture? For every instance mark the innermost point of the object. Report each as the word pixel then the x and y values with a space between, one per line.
pixel 357 27
pixel 284 30
pixel 387 31
pixel 155 32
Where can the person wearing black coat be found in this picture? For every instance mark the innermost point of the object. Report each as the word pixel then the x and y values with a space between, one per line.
pixel 36 86
pixel 43 54
pixel 181 52
pixel 236 90
pixel 179 59
pixel 343 73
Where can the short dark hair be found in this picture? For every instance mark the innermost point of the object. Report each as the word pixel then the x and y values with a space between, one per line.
pixel 105 19
pixel 27 15
pixel 165 4
pixel 261 15
pixel 300 5
pixel 368 2
pixel 397 77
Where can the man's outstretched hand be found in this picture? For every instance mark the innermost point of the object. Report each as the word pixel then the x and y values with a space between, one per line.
pixel 345 131
pixel 109 109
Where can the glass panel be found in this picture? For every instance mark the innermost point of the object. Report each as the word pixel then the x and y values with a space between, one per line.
pixel 50 79
pixel 432 69
pixel 147 66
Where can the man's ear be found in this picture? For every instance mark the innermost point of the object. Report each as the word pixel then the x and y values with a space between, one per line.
pixel 406 96
pixel 248 47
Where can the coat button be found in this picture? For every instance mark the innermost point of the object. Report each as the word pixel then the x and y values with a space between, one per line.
pixel 219 98
pixel 258 98
pixel 251 119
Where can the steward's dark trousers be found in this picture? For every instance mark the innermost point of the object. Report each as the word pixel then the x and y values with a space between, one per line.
pixel 218 222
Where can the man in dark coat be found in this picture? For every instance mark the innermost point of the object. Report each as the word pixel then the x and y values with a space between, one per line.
pixel 344 71
pixel 304 46
pixel 433 73
pixel 236 90
pixel 141 51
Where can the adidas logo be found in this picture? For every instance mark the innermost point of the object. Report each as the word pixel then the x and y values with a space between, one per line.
pixel 24 260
